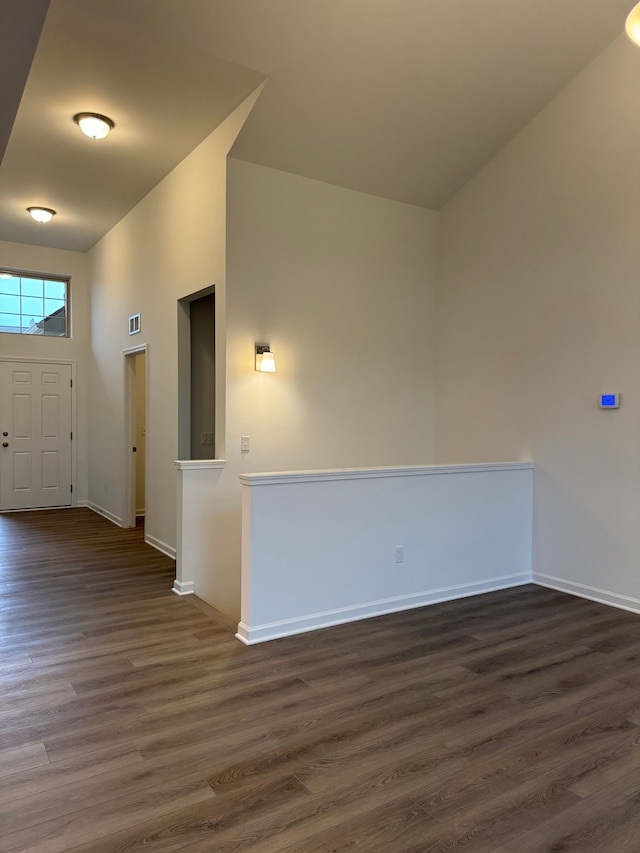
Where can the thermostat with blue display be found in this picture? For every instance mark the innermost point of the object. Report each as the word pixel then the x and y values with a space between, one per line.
pixel 609 401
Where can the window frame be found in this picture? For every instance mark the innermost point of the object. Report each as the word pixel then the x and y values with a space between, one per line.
pixel 43 277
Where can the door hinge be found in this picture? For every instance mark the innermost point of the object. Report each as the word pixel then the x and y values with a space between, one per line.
pixel 71 383
pixel 134 449
pixel 71 486
pixel 71 436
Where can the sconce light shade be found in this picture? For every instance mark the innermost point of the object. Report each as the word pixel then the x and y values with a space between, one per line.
pixel 94 125
pixel 633 24
pixel 265 360
pixel 41 214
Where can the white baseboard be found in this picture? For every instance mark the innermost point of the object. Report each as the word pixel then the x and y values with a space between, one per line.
pixel 300 625
pixel 105 513
pixel 593 593
pixel 183 587
pixel 159 545
pixel 82 503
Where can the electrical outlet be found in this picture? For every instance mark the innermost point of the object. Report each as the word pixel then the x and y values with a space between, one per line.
pixel 245 442
pixel 399 554
pixel 206 438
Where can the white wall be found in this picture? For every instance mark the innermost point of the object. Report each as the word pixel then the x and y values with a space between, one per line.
pixel 341 285
pixel 539 310
pixel 25 258
pixel 321 548
pixel 170 245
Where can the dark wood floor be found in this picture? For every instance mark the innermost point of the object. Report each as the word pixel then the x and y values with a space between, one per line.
pixel 132 721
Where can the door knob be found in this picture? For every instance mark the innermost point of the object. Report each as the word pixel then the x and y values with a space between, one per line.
pixel 5 434
pixel 5 444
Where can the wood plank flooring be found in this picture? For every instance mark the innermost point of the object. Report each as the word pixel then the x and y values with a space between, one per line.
pixel 131 720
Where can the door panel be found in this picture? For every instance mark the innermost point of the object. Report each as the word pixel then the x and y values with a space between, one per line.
pixel 35 411
pixel 21 416
pixel 21 471
pixel 50 416
pixel 50 469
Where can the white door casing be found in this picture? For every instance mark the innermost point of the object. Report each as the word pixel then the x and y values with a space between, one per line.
pixel 35 412
pixel 129 502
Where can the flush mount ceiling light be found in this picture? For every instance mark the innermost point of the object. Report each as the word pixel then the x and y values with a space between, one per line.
pixel 42 214
pixel 633 24
pixel 94 125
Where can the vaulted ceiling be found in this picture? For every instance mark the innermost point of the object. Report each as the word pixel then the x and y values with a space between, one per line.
pixel 404 99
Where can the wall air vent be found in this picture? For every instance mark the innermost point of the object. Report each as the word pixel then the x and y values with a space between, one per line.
pixel 134 324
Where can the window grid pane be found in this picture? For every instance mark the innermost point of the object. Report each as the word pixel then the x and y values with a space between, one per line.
pixel 53 305
pixel 55 290
pixel 33 305
pixel 10 323
pixel 9 304
pixel 10 285
pixel 31 287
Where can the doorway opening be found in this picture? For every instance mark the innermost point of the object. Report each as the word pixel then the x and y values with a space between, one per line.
pixel 136 404
pixel 196 375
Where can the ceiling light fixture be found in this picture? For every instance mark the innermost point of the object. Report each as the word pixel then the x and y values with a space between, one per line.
pixel 94 125
pixel 42 214
pixel 632 25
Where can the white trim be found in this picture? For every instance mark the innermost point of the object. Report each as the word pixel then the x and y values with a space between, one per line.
pixel 159 545
pixel 136 349
pixel 592 593
pixel 197 464
pixel 183 587
pixel 129 366
pixel 37 360
pixel 74 430
pixel 300 625
pixel 35 509
pixel 276 477
pixel 105 513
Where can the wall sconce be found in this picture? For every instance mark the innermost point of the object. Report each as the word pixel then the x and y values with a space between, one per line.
pixel 265 360
pixel 633 24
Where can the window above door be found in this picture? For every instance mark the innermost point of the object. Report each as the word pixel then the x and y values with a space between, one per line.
pixel 34 304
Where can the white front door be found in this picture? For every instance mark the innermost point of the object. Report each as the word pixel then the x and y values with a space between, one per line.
pixel 35 440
